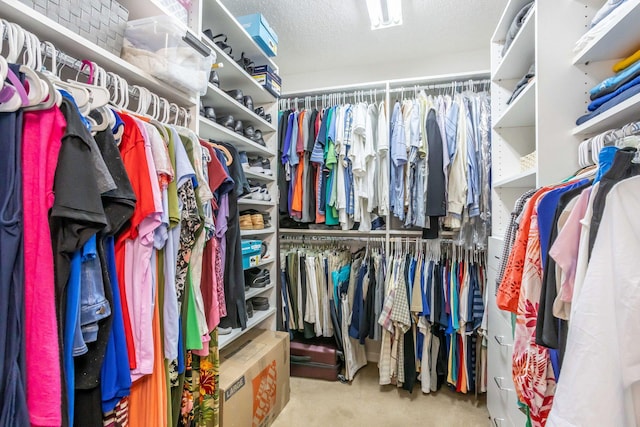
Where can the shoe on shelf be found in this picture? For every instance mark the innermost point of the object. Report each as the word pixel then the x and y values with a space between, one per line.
pixel 257 137
pixel 258 221
pixel 244 160
pixel 224 331
pixel 227 121
pixel 254 193
pixel 249 309
pixel 238 127
pixel 259 111
pixel 265 193
pixel 256 166
pixel 267 117
pixel 260 303
pixel 248 102
pixel 246 222
pixel 209 113
pixel 249 132
pixel 266 167
pixel 256 274
pixel 236 94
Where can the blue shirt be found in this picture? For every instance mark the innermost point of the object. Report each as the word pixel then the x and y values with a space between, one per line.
pixel 398 160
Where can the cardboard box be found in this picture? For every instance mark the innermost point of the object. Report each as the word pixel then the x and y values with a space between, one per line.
pixel 270 83
pixel 254 379
pixel 260 30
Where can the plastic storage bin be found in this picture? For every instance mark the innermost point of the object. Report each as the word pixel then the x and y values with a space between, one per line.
pixel 258 28
pixel 162 48
pixel 251 250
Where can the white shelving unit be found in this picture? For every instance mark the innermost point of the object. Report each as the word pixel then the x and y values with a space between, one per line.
pixel 540 119
pixel 625 112
pixel 259 318
pixel 616 43
pixel 264 231
pixel 522 110
pixel 254 292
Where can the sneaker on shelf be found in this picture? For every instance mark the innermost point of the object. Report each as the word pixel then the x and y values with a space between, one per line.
pixel 266 167
pixel 265 193
pixel 257 278
pixel 244 160
pixel 224 331
pixel 255 193
pixel 256 166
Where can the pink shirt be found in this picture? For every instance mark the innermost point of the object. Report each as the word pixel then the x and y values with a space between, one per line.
pixel 565 249
pixel 139 275
pixel 41 142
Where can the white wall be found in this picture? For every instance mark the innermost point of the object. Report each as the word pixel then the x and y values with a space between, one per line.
pixel 444 64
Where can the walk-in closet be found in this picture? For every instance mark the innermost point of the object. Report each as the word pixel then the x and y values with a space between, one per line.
pixel 380 213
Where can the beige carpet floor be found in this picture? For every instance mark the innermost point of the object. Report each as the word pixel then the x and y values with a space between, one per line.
pixel 364 403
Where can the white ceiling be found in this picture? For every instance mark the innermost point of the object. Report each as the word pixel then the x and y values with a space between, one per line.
pixel 316 35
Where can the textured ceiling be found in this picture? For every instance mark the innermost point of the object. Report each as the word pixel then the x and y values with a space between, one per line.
pixel 317 35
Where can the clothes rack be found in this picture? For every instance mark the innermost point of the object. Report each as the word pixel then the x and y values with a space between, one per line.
pixel 46 49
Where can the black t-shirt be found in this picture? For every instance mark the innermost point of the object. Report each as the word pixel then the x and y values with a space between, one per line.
pixel 119 203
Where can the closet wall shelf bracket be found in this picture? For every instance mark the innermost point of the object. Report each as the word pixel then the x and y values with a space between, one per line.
pixel 618 42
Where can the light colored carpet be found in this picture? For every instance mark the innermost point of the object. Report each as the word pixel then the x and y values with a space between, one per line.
pixel 364 403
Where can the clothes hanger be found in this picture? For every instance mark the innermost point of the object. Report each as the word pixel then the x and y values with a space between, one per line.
pixel 19 38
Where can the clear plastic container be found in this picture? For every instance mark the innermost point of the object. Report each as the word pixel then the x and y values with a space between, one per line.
pixel 163 48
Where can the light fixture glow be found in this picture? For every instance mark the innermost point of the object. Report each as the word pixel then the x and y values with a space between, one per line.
pixel 384 13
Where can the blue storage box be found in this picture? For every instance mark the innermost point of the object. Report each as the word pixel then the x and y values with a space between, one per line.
pixel 267 77
pixel 251 250
pixel 259 29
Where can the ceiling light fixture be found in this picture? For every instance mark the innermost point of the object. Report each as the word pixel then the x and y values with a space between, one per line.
pixel 384 13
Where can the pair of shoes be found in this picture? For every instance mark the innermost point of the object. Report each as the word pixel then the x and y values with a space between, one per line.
pixel 208 112
pixel 246 222
pixel 257 192
pixel 260 303
pixel 251 220
pixel 257 278
pixel 259 220
pixel 230 123
pixel 260 165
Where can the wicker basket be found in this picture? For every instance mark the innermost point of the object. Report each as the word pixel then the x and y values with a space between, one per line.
pixel 178 9
pixel 100 21
pixel 529 161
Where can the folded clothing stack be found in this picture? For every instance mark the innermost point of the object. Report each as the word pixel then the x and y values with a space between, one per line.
pixel 516 25
pixel 615 89
pixel 523 83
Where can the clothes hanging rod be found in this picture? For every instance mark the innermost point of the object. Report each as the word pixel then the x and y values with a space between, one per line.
pixel 451 85
pixel 382 84
pixel 69 61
